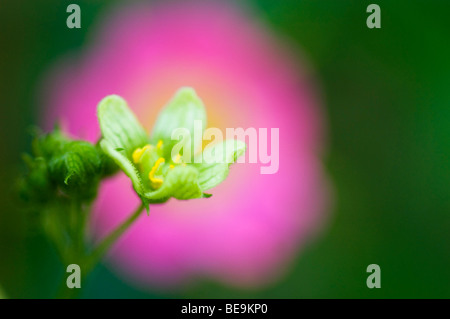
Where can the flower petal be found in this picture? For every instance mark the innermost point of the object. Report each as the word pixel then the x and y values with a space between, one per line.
pixel 181 183
pixel 216 161
pixel 181 112
pixel 124 163
pixel 119 125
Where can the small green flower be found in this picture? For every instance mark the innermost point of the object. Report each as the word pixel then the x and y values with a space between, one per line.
pixel 147 161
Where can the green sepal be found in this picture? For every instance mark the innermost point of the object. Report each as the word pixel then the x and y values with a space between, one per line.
pixel 146 204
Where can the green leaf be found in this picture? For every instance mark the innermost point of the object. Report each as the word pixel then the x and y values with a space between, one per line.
pixel 180 183
pixel 119 125
pixel 181 112
pixel 216 160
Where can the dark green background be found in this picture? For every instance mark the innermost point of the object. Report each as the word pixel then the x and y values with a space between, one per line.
pixel 387 96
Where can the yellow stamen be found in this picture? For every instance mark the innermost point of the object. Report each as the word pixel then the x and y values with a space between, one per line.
pixel 156 182
pixel 159 145
pixel 171 166
pixel 137 154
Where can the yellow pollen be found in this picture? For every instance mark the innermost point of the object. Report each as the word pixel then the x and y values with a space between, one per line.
pixel 171 166
pixel 137 154
pixel 156 182
pixel 159 145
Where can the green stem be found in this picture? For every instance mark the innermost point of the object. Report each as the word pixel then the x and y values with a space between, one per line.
pixel 74 248
pixel 74 226
pixel 109 240
pixel 87 263
pixel 65 292
pixel 83 220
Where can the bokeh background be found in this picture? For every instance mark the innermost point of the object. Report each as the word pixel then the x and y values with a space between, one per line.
pixel 387 99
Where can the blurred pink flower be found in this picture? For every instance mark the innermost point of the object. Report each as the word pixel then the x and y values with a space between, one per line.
pixel 248 231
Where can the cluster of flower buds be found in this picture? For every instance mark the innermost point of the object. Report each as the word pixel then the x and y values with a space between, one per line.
pixel 60 166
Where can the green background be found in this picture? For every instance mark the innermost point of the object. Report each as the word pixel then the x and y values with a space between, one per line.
pixel 387 97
